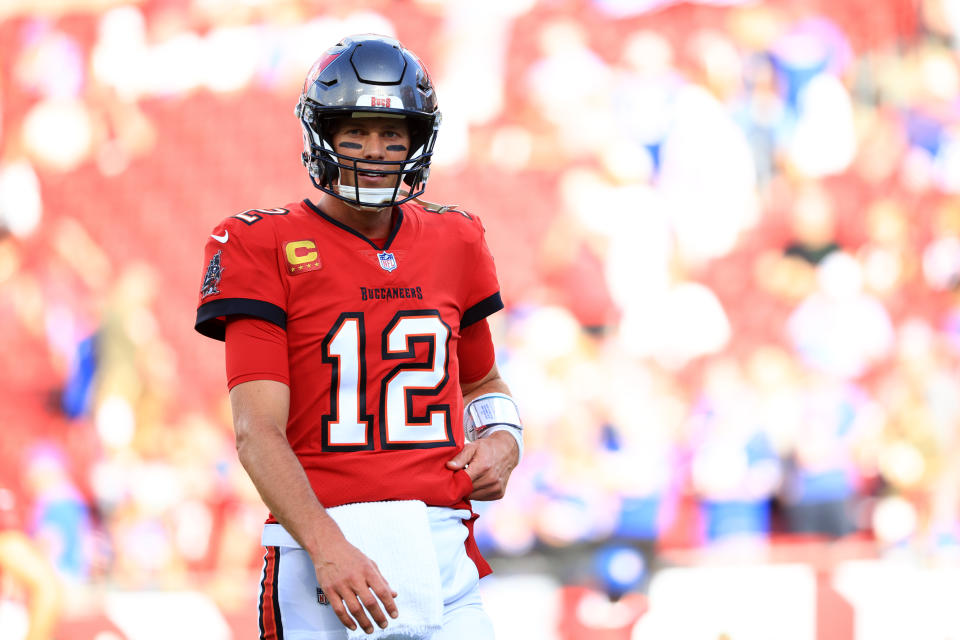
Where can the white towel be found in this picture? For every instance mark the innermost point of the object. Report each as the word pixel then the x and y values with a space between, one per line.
pixel 396 535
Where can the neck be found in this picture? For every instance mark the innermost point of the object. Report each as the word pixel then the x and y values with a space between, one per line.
pixel 371 223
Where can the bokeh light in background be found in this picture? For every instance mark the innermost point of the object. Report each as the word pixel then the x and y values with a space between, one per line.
pixel 728 236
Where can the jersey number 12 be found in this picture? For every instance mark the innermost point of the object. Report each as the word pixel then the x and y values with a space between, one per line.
pixel 348 426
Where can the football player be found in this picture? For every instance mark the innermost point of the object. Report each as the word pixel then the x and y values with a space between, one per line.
pixel 361 367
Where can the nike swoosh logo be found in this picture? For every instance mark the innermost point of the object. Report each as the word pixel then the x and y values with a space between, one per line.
pixel 221 239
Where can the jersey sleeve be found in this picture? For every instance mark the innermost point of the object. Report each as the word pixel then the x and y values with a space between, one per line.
pixel 481 287
pixel 255 350
pixel 475 352
pixel 241 277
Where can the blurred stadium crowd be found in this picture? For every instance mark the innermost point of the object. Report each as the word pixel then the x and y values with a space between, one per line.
pixel 728 236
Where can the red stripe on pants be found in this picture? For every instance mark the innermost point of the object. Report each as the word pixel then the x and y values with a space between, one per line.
pixel 270 626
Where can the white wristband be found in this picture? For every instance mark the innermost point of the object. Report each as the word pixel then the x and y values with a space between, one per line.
pixel 490 413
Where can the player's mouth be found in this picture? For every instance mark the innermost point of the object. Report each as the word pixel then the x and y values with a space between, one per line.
pixel 371 178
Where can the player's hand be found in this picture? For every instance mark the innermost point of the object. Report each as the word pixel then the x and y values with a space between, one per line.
pixel 489 462
pixel 354 586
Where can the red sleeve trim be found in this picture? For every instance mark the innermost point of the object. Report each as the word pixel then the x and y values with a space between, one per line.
pixel 256 349
pixel 475 352
pixel 263 375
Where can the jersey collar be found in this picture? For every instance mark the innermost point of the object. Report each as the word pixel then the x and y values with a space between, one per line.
pixel 398 220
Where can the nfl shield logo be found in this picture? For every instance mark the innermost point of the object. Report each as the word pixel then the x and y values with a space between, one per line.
pixel 387 261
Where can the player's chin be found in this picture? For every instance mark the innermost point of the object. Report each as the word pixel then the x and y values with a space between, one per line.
pixel 377 182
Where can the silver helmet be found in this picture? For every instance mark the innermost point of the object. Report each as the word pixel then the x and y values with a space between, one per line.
pixel 373 74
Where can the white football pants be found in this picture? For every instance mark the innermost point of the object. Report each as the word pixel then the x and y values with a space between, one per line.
pixel 290 610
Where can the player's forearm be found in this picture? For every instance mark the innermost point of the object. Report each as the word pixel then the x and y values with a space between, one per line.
pixel 283 485
pixel 492 383
pixel 510 437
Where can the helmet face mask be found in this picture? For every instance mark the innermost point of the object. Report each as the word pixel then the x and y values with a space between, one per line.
pixel 368 76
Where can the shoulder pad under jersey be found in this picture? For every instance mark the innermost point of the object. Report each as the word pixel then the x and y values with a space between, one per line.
pixel 433 207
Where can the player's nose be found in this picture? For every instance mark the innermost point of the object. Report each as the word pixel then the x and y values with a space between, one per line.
pixel 375 147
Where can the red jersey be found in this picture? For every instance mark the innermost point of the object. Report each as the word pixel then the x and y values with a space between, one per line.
pixel 376 408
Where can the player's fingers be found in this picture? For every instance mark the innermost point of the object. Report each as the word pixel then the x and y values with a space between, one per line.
pixel 372 605
pixel 486 495
pixel 356 610
pixel 488 488
pixel 481 472
pixel 478 468
pixel 463 458
pixel 386 595
pixel 336 602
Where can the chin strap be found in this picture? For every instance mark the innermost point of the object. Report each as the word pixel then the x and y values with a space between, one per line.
pixel 490 413
pixel 368 195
